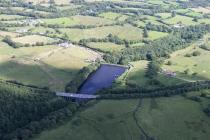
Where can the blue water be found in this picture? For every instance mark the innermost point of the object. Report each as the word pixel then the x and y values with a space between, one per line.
pixel 102 78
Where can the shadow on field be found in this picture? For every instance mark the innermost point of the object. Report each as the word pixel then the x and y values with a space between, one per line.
pixel 36 73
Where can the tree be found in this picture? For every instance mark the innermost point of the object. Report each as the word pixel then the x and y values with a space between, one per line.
pixel 195 19
pixel 153 69
pixel 196 53
pixel 173 14
pixel 145 34
pixel 52 2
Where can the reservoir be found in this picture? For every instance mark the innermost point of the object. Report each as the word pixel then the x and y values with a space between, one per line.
pixel 104 77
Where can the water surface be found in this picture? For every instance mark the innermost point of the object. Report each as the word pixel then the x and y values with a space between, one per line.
pixel 102 78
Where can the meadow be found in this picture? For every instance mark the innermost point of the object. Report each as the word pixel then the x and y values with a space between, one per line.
pixel 180 19
pixel 137 76
pixel 190 68
pixel 49 66
pixel 153 117
pixel 106 47
pixel 78 20
pixel 125 28
pixel 124 32
pixel 113 16
pixel 33 39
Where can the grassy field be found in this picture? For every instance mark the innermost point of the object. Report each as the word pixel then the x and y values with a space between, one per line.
pixel 202 10
pixel 159 118
pixel 78 20
pixel 113 16
pixel 11 34
pixel 164 15
pixel 106 47
pixel 124 32
pixel 136 76
pixel 59 2
pixel 137 73
pixel 10 17
pixel 194 64
pixel 153 35
pixel 55 68
pixel 60 21
pixel 33 39
pixel 194 14
pixel 180 19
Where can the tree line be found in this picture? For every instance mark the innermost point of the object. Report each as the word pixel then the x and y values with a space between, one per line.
pixel 127 93
pixel 177 40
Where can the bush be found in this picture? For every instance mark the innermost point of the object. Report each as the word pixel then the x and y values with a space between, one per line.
pixel 188 55
pixel 169 63
pixel 196 53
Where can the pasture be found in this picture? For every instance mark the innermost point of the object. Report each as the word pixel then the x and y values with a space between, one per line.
pixel 4 17
pixel 11 34
pixel 78 20
pixel 113 16
pixel 50 66
pixel 106 47
pixel 180 19
pixel 158 118
pixel 195 67
pixel 136 76
pixel 124 32
pixel 33 39
pixel 203 10
pixel 153 35
pixel 58 2
pixel 164 15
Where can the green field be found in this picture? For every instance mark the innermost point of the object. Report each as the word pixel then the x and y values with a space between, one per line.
pixel 153 35
pixel 78 20
pixel 43 66
pixel 113 16
pixel 124 32
pixel 58 43
pixel 180 19
pixel 164 15
pixel 106 120
pixel 33 39
pixel 195 64
pixel 106 47
pixel 136 76
pixel 10 17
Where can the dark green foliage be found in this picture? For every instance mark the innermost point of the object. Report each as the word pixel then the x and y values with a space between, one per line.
pixel 173 14
pixel 207 110
pixel 159 28
pixel 81 76
pixel 21 105
pixel 145 33
pixel 138 92
pixel 162 47
pixel 13 44
pixel 196 53
pixel 152 69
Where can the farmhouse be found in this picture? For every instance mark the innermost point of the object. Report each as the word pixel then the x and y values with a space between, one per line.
pixel 168 73
pixel 31 22
pixel 178 26
pixel 65 45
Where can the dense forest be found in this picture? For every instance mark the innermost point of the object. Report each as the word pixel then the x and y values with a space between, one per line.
pixel 22 110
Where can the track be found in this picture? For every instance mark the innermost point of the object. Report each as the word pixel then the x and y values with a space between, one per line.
pixel 146 136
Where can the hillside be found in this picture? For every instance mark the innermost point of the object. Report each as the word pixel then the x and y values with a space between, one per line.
pixel 144 63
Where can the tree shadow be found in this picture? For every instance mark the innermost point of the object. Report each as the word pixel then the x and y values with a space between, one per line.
pixel 39 74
